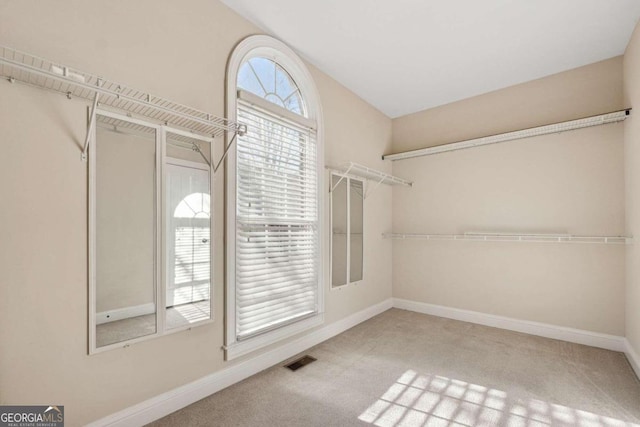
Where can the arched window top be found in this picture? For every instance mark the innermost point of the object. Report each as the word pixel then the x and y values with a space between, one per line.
pixel 266 68
pixel 195 205
pixel 270 81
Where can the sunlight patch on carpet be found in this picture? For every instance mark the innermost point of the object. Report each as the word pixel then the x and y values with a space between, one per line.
pixel 417 400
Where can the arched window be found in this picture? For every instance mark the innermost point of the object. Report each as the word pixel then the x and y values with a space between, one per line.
pixel 190 231
pixel 266 78
pixel 274 245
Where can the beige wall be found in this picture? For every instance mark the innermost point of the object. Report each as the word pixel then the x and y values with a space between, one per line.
pixel 632 180
pixel 582 92
pixel 570 183
pixel 43 188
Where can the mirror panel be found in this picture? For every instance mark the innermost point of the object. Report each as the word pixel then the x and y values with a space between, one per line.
pixel 125 224
pixel 356 204
pixel 338 231
pixel 188 233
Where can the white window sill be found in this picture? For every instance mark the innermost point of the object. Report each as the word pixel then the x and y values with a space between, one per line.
pixel 241 348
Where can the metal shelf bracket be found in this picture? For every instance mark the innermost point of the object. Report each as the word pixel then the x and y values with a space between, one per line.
pixel 361 171
pixel 92 122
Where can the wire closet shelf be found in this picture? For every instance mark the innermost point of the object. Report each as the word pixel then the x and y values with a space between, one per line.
pixel 17 66
pixel 357 170
pixel 513 237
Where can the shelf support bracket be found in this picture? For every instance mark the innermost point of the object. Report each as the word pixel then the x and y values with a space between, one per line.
pixel 369 191
pixel 199 151
pixel 341 178
pixel 241 130
pixel 92 122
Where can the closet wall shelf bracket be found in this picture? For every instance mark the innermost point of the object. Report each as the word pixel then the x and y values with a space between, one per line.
pixel 364 172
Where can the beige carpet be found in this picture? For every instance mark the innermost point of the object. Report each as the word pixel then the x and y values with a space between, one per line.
pixel 408 369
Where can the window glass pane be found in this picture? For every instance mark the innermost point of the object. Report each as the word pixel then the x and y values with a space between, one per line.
pixel 188 232
pixel 248 80
pixel 339 231
pixel 356 229
pixel 125 231
pixel 277 224
pixel 265 70
pixel 268 80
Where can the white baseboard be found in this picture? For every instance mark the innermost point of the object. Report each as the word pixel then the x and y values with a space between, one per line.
pixel 173 400
pixel 633 357
pixel 125 313
pixel 593 339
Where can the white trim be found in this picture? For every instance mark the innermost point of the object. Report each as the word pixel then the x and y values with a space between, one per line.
pixel 91 242
pixel 160 282
pixel 240 348
pixel 268 47
pixel 633 357
pixel 578 336
pixel 125 313
pixel 173 400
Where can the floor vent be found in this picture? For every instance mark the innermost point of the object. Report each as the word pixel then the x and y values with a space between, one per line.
pixel 299 363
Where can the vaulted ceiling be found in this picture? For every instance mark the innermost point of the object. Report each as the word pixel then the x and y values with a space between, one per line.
pixel 404 56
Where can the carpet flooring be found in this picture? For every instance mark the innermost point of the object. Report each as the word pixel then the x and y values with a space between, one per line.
pixel 402 368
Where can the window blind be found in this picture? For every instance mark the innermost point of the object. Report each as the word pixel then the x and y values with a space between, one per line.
pixel 277 259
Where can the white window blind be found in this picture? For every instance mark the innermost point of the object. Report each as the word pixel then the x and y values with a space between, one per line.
pixel 277 222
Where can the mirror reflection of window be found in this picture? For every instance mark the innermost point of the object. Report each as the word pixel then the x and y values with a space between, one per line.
pixel 188 245
pixel 188 235
pixel 347 209
pixel 125 231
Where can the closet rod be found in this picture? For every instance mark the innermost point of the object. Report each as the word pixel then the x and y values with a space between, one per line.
pixel 613 117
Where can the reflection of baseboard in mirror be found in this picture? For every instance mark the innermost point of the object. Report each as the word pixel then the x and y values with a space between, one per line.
pixel 125 313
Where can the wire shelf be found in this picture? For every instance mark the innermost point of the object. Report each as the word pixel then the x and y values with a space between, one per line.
pixel 21 67
pixel 368 173
pixel 531 238
pixel 602 119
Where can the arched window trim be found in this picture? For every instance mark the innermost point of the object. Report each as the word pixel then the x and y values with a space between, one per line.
pixel 268 47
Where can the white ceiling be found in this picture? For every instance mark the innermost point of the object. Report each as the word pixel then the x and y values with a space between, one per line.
pixel 404 56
